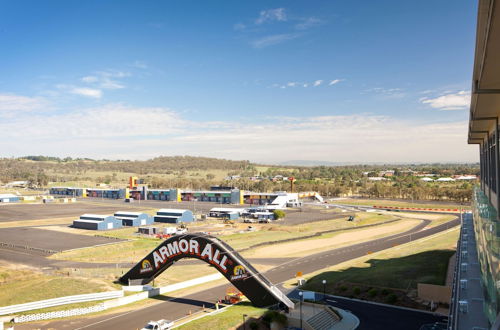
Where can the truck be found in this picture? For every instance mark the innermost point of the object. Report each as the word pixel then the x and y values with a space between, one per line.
pixel 159 325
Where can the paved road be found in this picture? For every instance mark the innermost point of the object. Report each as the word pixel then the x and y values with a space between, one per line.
pixel 381 317
pixel 175 308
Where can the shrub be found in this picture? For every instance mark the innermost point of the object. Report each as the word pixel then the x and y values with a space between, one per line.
pixel 391 299
pixel 385 292
pixel 372 292
pixel 343 288
pixel 275 316
pixel 253 325
pixel 356 290
pixel 278 214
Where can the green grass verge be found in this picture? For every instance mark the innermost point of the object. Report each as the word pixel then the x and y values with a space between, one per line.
pixel 131 251
pixel 228 319
pixel 280 232
pixel 423 261
pixel 22 286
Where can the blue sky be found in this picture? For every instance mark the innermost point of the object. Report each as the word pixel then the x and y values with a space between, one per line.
pixel 268 81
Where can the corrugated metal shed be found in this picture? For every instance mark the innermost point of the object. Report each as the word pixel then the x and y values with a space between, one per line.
pixel 134 218
pixel 173 216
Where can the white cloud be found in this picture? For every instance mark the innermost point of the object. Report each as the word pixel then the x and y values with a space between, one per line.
pixel 333 82
pixel 117 131
pixel 305 85
pixel 239 26
pixel 273 39
pixel 277 14
pixel 308 23
pixel 140 65
pixel 88 92
pixel 292 84
pixel 13 102
pixel 387 93
pixel 89 79
pixel 317 83
pixel 453 101
pixel 109 79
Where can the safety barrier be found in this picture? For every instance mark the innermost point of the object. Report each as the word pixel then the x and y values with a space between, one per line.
pixel 60 301
pixel 414 209
pixel 59 314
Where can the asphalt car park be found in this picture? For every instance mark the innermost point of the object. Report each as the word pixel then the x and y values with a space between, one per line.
pixel 43 239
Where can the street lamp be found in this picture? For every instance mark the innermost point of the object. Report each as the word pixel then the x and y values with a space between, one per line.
pixel 244 320
pixel 324 289
pixel 300 294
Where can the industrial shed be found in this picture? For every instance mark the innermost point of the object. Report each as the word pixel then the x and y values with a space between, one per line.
pixel 225 213
pixel 173 216
pixel 8 198
pixel 97 222
pixel 134 219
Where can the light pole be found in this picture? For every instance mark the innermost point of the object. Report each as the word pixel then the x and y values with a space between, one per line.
pixel 300 294
pixel 244 320
pixel 324 290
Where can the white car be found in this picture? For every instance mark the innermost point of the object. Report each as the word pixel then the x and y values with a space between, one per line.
pixel 159 325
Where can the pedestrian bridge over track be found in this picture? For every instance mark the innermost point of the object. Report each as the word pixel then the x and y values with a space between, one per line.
pixel 257 288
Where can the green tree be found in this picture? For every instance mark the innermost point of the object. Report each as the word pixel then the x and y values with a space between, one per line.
pixel 279 214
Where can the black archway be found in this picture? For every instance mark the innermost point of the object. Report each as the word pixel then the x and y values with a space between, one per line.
pixel 258 289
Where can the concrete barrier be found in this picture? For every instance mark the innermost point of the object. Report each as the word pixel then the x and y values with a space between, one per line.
pixel 59 301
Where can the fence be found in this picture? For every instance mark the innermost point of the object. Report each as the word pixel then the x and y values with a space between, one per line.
pixel 60 301
pixel 59 314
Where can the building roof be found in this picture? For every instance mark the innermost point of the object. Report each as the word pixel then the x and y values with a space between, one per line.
pixel 226 209
pixel 126 213
pixel 8 196
pixel 89 215
pixel 445 179
pixel 172 210
pixel 485 97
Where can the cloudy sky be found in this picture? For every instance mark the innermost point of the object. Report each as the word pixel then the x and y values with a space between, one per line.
pixel 267 81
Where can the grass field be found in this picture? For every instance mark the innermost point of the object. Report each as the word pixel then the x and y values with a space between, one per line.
pixel 229 319
pixel 131 251
pixel 19 286
pixel 302 248
pixel 383 202
pixel 402 267
pixel 280 232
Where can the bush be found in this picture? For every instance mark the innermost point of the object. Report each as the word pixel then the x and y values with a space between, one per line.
pixel 356 290
pixel 343 288
pixel 278 214
pixel 385 292
pixel 391 299
pixel 372 292
pixel 275 316
pixel 253 325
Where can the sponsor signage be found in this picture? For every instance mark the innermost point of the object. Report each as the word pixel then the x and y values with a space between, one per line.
pixel 214 252
pixel 190 248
